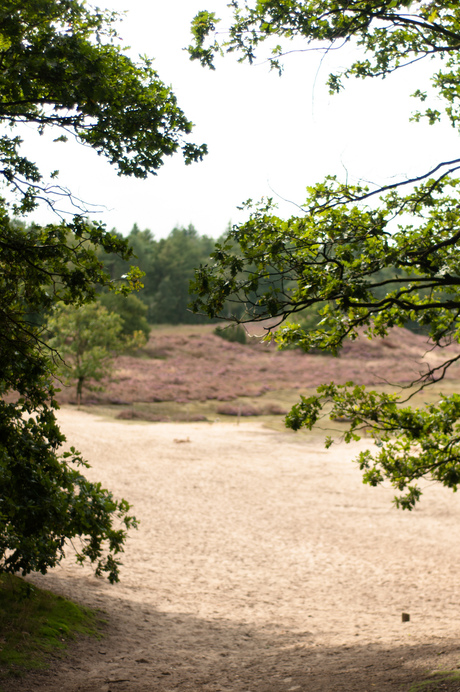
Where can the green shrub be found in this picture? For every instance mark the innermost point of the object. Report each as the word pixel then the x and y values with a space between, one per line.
pixel 234 332
pixel 131 310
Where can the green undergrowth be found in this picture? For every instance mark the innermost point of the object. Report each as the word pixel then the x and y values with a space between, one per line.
pixel 36 625
pixel 439 681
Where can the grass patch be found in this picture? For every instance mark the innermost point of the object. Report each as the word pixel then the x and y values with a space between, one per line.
pixel 440 681
pixel 35 624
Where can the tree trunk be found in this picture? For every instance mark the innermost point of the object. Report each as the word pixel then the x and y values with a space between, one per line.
pixel 79 390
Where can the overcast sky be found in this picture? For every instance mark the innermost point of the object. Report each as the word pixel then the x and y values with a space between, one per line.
pixel 266 135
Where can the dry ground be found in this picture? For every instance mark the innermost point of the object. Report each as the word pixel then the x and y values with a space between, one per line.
pixel 262 564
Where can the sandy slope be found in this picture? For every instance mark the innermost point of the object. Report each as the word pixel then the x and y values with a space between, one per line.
pixel 262 564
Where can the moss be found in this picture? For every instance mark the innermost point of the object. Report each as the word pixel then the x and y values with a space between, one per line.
pixel 35 624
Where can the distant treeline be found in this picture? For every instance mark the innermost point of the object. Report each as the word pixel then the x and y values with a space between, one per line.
pixel 169 265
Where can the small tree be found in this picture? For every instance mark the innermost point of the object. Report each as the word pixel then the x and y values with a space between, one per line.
pixel 86 339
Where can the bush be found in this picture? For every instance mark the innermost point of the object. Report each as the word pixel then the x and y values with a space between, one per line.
pixel 234 332
pixel 131 310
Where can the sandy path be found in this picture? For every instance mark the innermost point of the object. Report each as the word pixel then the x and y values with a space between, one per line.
pixel 262 564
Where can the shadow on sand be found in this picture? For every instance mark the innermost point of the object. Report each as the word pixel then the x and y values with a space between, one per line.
pixel 145 650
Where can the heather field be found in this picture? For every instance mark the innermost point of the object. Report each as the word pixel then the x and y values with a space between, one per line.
pixel 188 373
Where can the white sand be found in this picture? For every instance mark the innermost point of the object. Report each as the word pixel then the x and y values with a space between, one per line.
pixel 262 564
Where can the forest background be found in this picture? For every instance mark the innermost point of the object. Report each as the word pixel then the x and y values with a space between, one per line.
pixel 169 266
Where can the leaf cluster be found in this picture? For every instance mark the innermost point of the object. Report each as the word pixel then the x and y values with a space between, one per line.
pixel 390 35
pixel 412 443
pixel 46 500
pixel 62 67
pixel 334 257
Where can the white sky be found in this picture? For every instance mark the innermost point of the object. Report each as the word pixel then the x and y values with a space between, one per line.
pixel 266 135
